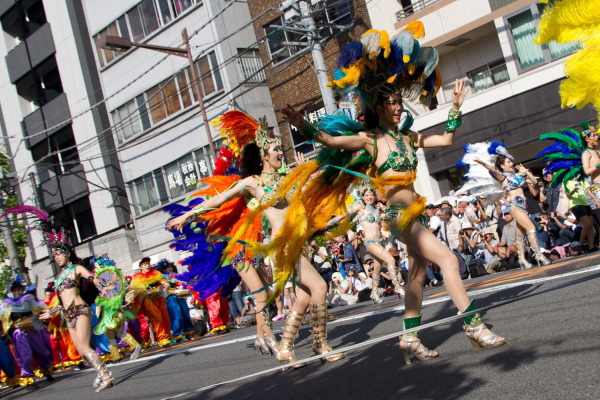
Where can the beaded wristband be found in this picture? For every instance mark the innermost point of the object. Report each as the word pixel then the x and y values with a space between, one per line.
pixel 198 209
pixel 454 120
pixel 309 130
pixel 598 165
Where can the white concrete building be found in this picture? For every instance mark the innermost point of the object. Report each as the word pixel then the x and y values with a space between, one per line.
pixel 158 129
pixel 53 125
pixel 514 83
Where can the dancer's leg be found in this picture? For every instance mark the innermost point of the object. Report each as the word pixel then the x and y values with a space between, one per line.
pixel 255 284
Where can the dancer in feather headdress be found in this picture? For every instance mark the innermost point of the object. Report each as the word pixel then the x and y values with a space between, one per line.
pixel 485 158
pixel 570 159
pixel 261 161
pixel 75 311
pixel 386 70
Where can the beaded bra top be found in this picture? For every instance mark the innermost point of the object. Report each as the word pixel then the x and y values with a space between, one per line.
pixel 270 182
pixel 403 159
pixel 370 217
pixel 67 283
pixel 513 181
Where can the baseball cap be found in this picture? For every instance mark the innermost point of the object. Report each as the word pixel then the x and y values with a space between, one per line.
pixel 505 208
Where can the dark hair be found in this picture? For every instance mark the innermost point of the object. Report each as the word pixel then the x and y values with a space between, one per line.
pixel 251 160
pixel 499 161
pixel 368 190
pixel 143 260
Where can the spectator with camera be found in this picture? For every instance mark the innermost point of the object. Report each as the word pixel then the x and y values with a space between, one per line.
pixel 548 231
pixel 339 293
pixel 476 213
pixel 487 251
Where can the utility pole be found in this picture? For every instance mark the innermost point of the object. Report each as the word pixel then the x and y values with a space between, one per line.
pixel 303 11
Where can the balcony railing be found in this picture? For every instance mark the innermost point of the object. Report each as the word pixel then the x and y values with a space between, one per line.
pixel 416 6
pixel 251 69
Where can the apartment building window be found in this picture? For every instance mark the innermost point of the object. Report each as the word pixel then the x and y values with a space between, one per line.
pixel 146 191
pixel 210 76
pixel 489 75
pixel 522 28
pixel 56 155
pixel 142 20
pixel 78 218
pixel 182 176
pixel 130 119
pixel 171 181
pixel 250 66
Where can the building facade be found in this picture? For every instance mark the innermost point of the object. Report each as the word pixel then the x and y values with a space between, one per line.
pixel 159 132
pixel 513 82
pixel 290 67
pixel 55 126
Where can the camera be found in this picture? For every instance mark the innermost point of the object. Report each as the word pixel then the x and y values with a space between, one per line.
pixel 538 219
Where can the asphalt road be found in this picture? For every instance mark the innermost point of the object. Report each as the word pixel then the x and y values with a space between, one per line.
pixel 552 352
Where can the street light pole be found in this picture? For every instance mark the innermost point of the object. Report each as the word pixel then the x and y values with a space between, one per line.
pixel 198 92
pixel 117 43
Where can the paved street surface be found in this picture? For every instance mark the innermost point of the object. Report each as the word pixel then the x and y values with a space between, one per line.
pixel 552 352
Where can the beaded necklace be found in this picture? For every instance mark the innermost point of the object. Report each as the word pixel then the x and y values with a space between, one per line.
pixel 270 182
pixel 399 160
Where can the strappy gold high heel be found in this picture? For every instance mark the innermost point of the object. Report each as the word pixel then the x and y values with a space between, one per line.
pixel 318 321
pixel 521 252
pixel 261 346
pixel 106 379
pixel 393 270
pixel 411 344
pixel 537 253
pixel 286 355
pixel 272 345
pixel 374 294
pixel 479 335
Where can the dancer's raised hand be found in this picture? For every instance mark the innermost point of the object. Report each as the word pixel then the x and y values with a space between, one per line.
pixel 458 93
pixel 293 116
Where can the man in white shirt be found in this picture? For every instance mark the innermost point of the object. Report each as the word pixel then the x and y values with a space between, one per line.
pixel 435 222
pixel 451 228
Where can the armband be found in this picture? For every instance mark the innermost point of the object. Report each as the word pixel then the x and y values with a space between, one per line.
pixel 199 209
pixel 309 130
pixel 454 120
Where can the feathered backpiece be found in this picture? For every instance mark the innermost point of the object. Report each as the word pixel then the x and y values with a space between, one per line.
pixel 238 129
pixel 478 180
pixel 575 20
pixel 564 156
pixel 38 212
pixel 399 64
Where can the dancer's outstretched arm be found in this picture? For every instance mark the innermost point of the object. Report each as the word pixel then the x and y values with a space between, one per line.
pixel 237 190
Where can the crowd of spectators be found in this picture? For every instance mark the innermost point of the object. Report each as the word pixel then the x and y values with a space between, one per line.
pixel 482 235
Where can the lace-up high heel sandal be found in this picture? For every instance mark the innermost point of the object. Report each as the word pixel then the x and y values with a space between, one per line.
pixel 318 321
pixel 286 355
pixel 537 253
pixel 374 294
pixel 479 335
pixel 398 289
pixel 521 251
pixel 106 379
pixel 261 346
pixel 411 344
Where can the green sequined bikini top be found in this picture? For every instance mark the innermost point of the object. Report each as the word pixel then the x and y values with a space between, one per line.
pixel 270 183
pixel 398 160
